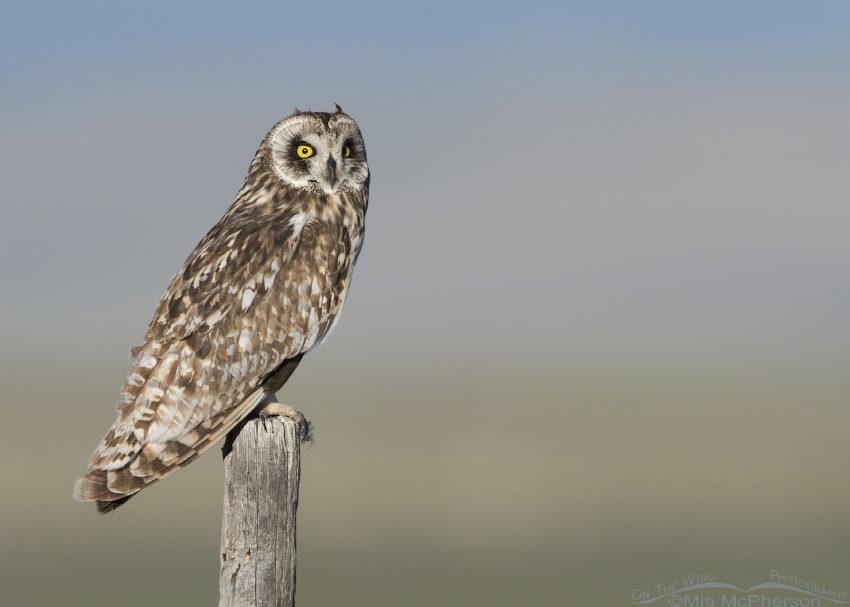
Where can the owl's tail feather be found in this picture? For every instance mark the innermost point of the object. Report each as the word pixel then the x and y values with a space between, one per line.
pixel 93 487
pixel 111 488
pixel 107 507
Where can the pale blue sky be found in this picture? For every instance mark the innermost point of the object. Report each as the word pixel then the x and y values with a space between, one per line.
pixel 47 44
pixel 575 176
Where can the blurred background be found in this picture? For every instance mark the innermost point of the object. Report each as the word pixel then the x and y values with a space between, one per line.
pixel 597 338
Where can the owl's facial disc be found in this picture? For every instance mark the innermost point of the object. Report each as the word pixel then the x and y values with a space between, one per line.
pixel 324 155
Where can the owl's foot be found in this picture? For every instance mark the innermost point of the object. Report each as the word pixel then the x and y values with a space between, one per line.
pixel 276 409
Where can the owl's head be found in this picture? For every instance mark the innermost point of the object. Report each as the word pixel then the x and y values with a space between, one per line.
pixel 319 151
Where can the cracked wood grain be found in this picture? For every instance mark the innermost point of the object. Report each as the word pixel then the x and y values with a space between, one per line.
pixel 262 468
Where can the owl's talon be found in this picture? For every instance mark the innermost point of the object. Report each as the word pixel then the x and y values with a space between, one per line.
pixel 276 409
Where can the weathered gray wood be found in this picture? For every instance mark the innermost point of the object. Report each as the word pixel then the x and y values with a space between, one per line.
pixel 261 475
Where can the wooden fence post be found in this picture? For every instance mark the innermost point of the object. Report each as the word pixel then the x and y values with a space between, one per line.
pixel 262 468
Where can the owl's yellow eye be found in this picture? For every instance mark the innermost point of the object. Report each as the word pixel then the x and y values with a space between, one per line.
pixel 304 151
pixel 346 151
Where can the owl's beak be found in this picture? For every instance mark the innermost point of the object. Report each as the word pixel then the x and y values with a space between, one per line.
pixel 331 171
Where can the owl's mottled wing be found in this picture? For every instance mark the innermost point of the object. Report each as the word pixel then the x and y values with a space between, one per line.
pixel 248 302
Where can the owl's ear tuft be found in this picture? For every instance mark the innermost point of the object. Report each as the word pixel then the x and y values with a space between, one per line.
pixel 338 109
pixel 297 112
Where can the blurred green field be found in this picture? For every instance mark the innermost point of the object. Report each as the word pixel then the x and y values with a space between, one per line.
pixel 541 482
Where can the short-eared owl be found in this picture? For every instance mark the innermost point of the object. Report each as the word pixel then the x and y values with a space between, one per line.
pixel 265 285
